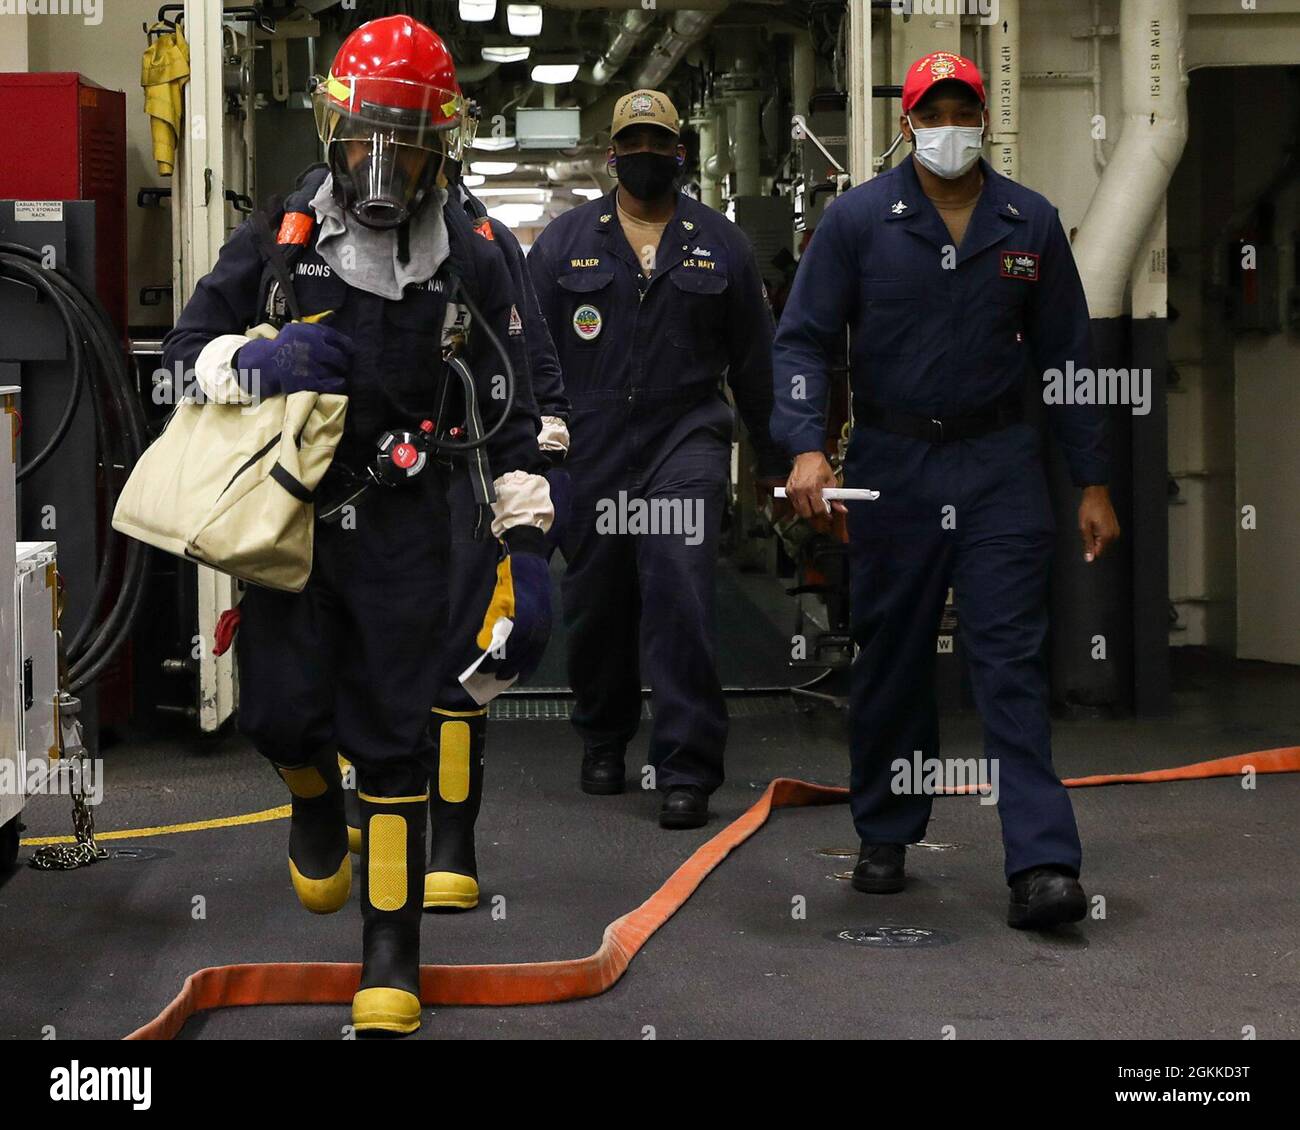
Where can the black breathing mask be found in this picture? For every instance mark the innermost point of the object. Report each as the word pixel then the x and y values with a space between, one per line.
pixel 647 176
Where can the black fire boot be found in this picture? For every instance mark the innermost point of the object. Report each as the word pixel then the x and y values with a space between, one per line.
pixel 319 864
pixel 392 833
pixel 455 794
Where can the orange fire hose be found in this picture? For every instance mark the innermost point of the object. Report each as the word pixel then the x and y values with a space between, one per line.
pixel 545 982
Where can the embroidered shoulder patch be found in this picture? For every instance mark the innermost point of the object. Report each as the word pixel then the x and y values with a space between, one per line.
pixel 1019 265
pixel 485 230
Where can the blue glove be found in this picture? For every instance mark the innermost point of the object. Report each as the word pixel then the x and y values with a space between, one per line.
pixel 305 355
pixel 517 625
pixel 562 500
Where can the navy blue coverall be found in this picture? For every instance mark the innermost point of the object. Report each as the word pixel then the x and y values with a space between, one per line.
pixel 940 341
pixel 353 662
pixel 643 362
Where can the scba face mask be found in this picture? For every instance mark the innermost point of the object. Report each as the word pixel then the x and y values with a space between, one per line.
pixel 948 151
pixel 388 184
pixel 388 141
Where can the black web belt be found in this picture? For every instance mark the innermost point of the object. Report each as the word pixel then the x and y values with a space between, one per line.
pixel 1002 413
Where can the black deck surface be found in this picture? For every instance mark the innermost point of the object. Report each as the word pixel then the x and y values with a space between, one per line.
pixel 1201 936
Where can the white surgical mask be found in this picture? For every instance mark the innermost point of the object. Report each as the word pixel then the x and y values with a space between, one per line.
pixel 948 151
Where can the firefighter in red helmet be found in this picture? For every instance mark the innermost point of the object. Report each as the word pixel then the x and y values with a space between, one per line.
pixel 382 289
pixel 386 112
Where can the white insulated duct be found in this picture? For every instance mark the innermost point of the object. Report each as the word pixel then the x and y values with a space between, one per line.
pixel 686 30
pixel 746 142
pixel 804 72
pixel 1154 77
pixel 719 163
pixel 632 27
pixel 576 168
pixel 715 153
pixel 1004 95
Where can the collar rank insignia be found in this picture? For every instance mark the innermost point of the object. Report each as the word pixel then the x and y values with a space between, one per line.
pixel 688 225
pixel 606 218
pixel 1013 209
pixel 899 208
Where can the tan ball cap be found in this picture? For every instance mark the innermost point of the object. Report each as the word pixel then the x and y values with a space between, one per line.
pixel 644 108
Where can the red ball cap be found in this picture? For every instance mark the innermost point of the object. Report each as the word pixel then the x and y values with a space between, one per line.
pixel 939 66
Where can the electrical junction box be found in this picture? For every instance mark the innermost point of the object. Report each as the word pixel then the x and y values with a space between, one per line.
pixel 548 128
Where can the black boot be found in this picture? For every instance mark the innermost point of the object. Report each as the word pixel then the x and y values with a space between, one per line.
pixel 455 794
pixel 351 806
pixel 392 883
pixel 603 773
pixel 684 806
pixel 1042 897
pixel 319 864
pixel 880 869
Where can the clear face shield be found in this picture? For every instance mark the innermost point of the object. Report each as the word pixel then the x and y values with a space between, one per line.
pixel 387 142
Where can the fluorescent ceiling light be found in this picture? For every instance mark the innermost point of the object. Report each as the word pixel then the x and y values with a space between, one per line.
pixel 513 190
pixel 489 143
pixel 524 19
pixel 514 53
pixel 478 11
pixel 472 180
pixel 555 73
pixel 589 193
pixel 512 215
pixel 493 168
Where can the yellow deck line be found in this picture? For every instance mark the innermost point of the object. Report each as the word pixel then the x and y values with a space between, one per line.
pixel 170 829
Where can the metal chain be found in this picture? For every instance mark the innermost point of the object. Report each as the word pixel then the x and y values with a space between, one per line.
pixel 68 857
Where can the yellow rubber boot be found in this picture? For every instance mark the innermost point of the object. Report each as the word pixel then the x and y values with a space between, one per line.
pixel 319 865
pixel 388 1002
pixel 455 795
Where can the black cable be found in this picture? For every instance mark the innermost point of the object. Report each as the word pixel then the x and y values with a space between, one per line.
pixel 36 276
pixel 98 362
pixel 64 295
pixel 127 411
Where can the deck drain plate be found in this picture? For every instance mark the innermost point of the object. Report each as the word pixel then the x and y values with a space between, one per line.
pixel 892 937
pixel 836 853
pixel 139 854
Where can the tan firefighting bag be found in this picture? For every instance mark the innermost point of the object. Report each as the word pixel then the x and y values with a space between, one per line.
pixel 231 485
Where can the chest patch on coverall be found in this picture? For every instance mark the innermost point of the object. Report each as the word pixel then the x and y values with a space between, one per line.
pixel 587 322
pixel 1020 265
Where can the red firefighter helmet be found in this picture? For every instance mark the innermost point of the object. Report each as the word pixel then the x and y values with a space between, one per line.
pixel 391 73
pixel 390 99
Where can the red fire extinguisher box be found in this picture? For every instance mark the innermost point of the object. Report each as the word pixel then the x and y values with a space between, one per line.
pixel 63 137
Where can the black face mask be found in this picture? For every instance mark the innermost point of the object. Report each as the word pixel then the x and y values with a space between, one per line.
pixel 647 176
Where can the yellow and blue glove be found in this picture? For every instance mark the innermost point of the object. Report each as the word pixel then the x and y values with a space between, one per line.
pixel 517 624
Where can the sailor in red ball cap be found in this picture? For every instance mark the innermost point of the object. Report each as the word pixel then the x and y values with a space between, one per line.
pixel 962 290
